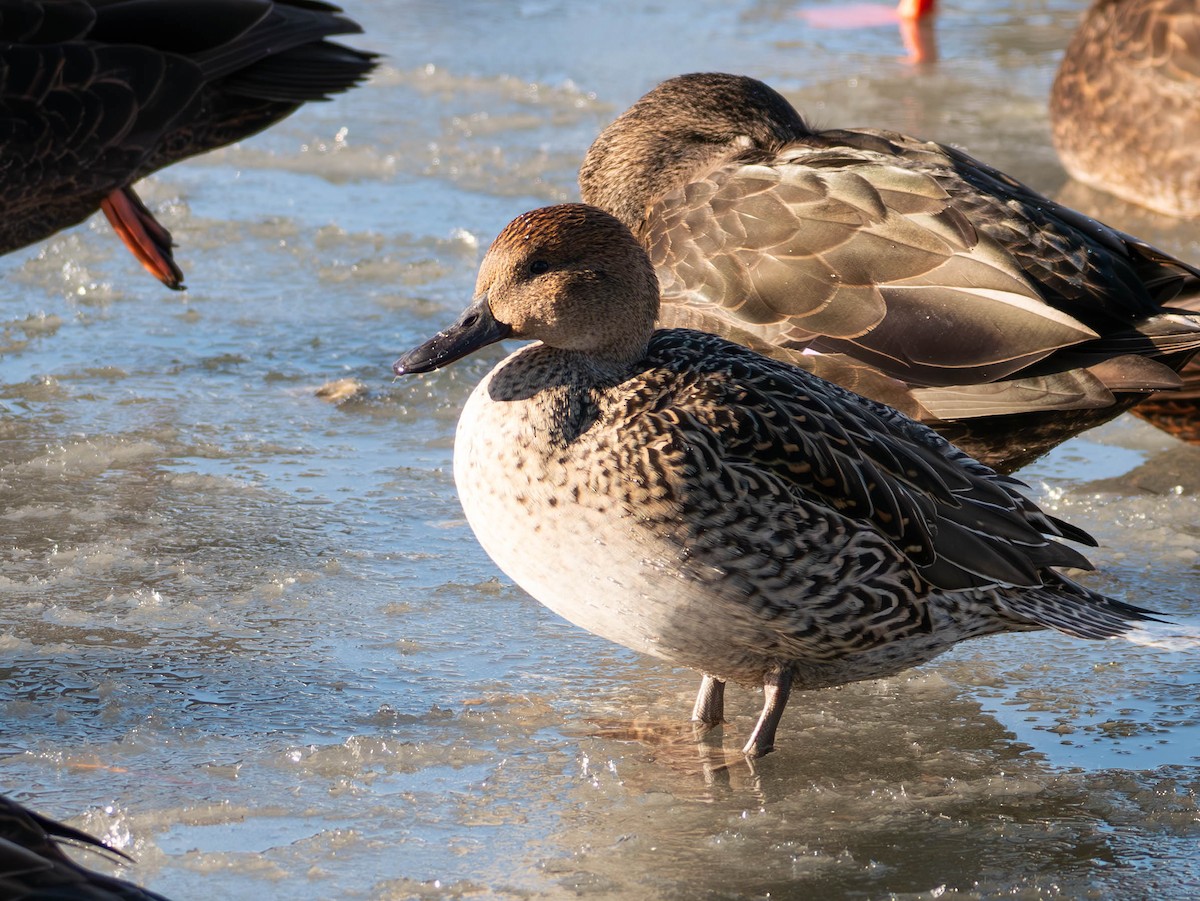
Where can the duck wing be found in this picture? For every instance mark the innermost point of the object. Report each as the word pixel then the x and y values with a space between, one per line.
pixel 906 255
pixel 958 523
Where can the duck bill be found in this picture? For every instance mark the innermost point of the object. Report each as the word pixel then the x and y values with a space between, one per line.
pixel 476 328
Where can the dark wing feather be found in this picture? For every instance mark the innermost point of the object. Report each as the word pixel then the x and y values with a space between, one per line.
pixel 32 21
pixel 960 524
pixel 68 139
pixel 1081 266
pixel 33 865
pixel 301 75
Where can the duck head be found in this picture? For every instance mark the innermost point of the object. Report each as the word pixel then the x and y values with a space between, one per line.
pixel 570 276
pixel 676 131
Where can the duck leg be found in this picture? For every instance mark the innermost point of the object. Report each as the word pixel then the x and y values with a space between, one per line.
pixel 777 684
pixel 144 235
pixel 710 702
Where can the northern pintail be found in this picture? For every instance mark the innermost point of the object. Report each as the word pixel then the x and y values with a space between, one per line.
pixel 691 499
pixel 1125 106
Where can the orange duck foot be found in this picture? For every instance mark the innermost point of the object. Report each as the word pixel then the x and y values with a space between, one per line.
pixel 146 238
pixel 909 15
pixel 865 15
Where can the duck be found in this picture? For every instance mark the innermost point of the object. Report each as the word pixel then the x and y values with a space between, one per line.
pixel 1125 103
pixel 1125 118
pixel 902 269
pixel 689 498
pixel 34 865
pixel 96 94
pixel 1177 412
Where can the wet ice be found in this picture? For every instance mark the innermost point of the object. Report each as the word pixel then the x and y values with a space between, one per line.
pixel 247 635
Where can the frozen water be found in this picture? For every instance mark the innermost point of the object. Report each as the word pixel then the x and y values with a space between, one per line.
pixel 247 636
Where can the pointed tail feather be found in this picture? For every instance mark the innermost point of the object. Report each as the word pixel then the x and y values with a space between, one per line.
pixel 1068 607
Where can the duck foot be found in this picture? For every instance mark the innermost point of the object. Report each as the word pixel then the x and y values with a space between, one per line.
pixel 710 702
pixel 144 235
pixel 777 684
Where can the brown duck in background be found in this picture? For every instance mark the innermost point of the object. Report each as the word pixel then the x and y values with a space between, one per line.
pixel 902 269
pixel 1125 113
pixel 1125 106
pixel 96 94
pixel 33 864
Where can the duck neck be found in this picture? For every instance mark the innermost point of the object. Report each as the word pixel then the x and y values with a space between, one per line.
pixel 625 173
pixel 602 367
pixel 540 370
pixel 557 391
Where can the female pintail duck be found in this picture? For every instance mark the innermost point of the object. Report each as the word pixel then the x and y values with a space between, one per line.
pixel 34 865
pixel 901 269
pixel 1125 114
pixel 96 94
pixel 1125 106
pixel 720 509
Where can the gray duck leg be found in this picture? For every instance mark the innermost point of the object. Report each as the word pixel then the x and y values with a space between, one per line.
pixel 776 686
pixel 710 702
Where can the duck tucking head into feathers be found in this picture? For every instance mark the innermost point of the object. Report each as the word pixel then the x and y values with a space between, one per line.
pixel 691 499
pixel 902 269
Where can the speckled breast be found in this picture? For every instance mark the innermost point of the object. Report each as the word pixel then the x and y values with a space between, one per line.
pixel 538 509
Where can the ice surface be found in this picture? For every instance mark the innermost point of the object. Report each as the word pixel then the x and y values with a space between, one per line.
pixel 248 637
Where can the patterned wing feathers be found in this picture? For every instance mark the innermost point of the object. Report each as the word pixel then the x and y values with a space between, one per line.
pixel 961 527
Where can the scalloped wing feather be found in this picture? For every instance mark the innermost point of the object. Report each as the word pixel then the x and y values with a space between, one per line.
pixel 871 255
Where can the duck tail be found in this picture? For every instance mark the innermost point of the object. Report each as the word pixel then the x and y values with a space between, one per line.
pixel 311 72
pixel 1068 607
pixel 33 863
pixel 284 56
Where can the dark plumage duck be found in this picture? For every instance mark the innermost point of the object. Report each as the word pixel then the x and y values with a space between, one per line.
pixel 33 864
pixel 902 269
pixel 688 498
pixel 95 94
pixel 1125 106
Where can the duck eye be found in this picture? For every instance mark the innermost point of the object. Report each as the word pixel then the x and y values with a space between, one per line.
pixel 537 267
